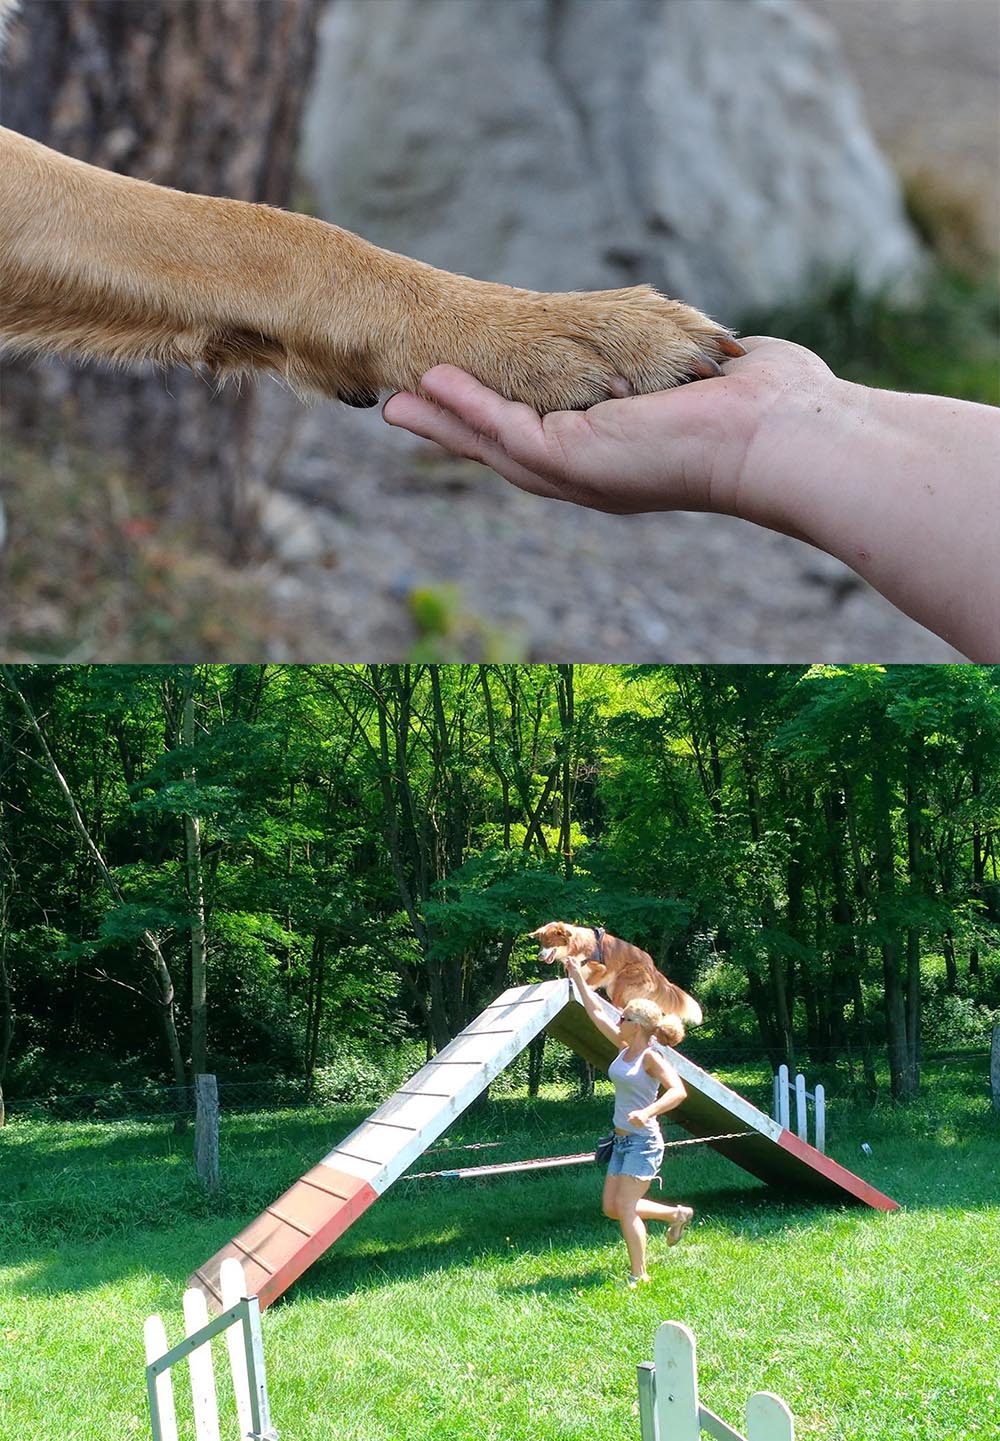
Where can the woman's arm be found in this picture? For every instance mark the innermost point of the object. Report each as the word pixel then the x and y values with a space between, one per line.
pixel 591 1004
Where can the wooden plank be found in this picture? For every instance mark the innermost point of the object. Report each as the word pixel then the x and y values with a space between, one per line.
pixel 206 1406
pixel 234 1288
pixel 781 1115
pixel 819 1103
pixel 675 1359
pixel 801 1112
pixel 769 1419
pixel 162 1413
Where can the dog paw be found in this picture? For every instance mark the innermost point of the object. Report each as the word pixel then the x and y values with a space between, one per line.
pixel 568 352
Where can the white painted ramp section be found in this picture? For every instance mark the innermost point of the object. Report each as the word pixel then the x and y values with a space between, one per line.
pixel 386 1145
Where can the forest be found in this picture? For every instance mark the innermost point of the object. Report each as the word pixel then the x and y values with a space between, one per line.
pixel 254 870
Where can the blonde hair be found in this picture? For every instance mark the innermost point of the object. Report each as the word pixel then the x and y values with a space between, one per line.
pixel 666 1028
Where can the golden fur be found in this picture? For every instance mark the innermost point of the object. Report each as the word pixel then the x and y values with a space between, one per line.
pixel 101 265
pixel 624 972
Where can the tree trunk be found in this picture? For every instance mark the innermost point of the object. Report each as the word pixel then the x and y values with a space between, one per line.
pixel 196 904
pixel 918 883
pixel 536 1061
pixel 567 718
pixel 6 993
pixel 199 97
pixel 978 862
pixel 895 998
pixel 844 968
pixel 314 1008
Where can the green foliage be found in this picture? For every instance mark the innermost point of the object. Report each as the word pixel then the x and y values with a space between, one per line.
pixel 376 841
pixel 943 343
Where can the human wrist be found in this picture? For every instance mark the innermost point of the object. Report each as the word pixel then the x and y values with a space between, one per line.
pixel 788 477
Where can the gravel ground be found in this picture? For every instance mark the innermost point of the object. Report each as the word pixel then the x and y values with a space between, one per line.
pixel 553 580
pixel 370 515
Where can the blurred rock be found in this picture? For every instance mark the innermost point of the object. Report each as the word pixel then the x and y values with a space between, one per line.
pixel 716 148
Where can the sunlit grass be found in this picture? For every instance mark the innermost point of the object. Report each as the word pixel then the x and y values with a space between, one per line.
pixel 498 1309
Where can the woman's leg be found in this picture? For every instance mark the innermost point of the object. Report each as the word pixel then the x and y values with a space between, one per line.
pixel 627 1199
pixel 676 1217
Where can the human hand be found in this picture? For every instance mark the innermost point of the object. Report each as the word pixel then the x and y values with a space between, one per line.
pixel 894 485
pixel 682 449
pixel 638 1118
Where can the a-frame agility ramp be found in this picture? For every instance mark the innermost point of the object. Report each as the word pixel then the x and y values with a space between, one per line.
pixel 302 1224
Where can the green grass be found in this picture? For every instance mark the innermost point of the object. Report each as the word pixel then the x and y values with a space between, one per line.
pixel 497 1310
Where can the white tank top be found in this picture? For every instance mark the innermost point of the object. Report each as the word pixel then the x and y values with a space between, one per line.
pixel 635 1089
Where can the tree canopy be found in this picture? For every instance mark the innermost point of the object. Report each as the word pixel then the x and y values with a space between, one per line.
pixel 242 868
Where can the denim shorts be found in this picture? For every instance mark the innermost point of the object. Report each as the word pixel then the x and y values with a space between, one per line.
pixel 638 1154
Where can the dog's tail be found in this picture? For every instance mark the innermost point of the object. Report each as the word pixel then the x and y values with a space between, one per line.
pixel 691 1014
pixel 685 1007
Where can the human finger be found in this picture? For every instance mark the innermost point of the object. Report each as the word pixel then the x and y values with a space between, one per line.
pixel 432 422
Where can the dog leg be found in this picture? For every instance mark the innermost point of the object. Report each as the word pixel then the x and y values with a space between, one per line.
pixel 102 265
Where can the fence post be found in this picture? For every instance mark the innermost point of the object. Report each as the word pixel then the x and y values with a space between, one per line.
pixel 781 1114
pixel 769 1419
pixel 648 1428
pixel 801 1118
pixel 675 1359
pixel 820 1117
pixel 206 1130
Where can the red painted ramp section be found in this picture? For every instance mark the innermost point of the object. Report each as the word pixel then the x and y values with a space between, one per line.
pixel 289 1236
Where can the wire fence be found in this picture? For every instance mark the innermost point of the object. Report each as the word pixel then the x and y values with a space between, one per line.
pixel 373 1083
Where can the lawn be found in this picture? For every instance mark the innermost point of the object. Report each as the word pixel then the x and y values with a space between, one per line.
pixel 455 1310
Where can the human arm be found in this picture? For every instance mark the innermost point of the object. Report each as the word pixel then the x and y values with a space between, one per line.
pixel 591 1003
pixel 673 1093
pixel 902 488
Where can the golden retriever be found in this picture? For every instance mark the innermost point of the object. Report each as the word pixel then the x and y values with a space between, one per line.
pixel 623 971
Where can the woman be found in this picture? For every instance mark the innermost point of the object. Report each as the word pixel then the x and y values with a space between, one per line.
pixel 646 1086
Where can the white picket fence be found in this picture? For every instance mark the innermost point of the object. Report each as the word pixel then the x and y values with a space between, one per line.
pixel 669 1409
pixel 782 1107
pixel 240 1323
